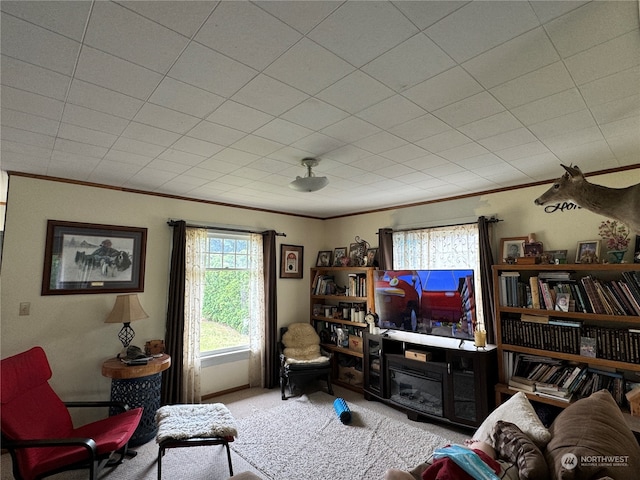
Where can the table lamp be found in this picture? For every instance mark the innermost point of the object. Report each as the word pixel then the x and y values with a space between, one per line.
pixel 126 310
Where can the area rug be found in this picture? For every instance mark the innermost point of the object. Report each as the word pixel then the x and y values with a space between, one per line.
pixel 304 438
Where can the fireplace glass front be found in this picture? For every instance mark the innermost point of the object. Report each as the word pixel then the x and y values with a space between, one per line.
pixel 421 392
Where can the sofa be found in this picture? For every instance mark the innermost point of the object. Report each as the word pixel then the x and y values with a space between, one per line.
pixel 588 440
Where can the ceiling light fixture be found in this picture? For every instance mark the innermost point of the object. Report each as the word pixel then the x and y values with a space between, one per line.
pixel 309 183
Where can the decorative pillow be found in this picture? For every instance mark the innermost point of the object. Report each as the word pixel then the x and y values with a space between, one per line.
pixel 519 411
pixel 591 439
pixel 513 445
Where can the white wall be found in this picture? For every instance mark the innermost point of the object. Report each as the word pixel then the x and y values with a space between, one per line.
pixel 71 328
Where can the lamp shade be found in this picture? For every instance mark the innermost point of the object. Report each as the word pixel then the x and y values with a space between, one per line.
pixel 309 184
pixel 127 309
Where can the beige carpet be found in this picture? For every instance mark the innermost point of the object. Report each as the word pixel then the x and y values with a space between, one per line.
pixel 209 463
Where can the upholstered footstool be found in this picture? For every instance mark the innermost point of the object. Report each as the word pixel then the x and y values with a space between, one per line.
pixel 194 426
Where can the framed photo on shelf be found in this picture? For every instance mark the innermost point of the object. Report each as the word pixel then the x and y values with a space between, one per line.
pixel 533 249
pixel 324 258
pixel 636 252
pixel 512 248
pixel 371 257
pixel 91 258
pixel 555 256
pixel 291 265
pixel 338 254
pixel 588 251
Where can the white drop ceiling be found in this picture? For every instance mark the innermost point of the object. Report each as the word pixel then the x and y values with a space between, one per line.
pixel 402 102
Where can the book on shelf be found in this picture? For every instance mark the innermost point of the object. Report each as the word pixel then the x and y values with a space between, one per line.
pixel 567 398
pixel 522 383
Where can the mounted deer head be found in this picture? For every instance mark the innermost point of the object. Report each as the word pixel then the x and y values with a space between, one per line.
pixel 622 204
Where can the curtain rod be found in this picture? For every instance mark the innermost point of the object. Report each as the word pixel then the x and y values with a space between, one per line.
pixel 172 223
pixel 489 220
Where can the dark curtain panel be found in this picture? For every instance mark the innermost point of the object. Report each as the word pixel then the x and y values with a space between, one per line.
pixel 271 360
pixel 172 377
pixel 385 249
pixel 486 278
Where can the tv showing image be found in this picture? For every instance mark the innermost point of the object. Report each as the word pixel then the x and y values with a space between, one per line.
pixel 432 302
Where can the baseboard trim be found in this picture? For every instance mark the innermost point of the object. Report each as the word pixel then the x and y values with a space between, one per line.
pixel 209 396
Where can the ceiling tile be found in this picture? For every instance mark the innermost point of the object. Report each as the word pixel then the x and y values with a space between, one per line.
pixel 391 112
pixel 444 141
pixel 257 145
pixel 28 138
pixel 31 103
pixel 85 117
pixel 534 86
pixel 608 58
pixel 219 134
pixel 508 139
pixel 185 98
pixel 562 125
pixel 628 107
pixel 302 16
pixel 135 146
pixel 104 100
pixel 147 133
pixel 392 68
pixel 380 142
pixel 269 95
pixel 359 31
pixel 165 118
pixel 26 121
pixel 480 26
pixel 197 146
pixel 244 32
pixel 419 128
pixel 355 92
pixel 549 107
pixel 202 67
pixel 173 15
pixel 425 14
pixel 443 89
pixel 489 126
pixel 69 146
pixel 86 135
pixel 183 158
pixel 32 78
pixel 238 116
pixel 116 74
pixel 506 62
pixel 591 25
pixel 315 114
pixel 350 129
pixel 308 67
pixel 65 18
pixel 469 110
pixel 137 39
pixel 613 87
pixel 282 131
pixel 27 42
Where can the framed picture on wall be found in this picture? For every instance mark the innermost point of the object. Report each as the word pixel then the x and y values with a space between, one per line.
pixel 91 258
pixel 291 261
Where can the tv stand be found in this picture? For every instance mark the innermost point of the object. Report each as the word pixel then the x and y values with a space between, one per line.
pixel 431 377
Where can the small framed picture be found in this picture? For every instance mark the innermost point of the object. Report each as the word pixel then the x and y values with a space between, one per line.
pixel 562 302
pixel 533 249
pixel 512 248
pixel 555 256
pixel 636 252
pixel 338 255
pixel 371 257
pixel 588 251
pixel 291 261
pixel 324 258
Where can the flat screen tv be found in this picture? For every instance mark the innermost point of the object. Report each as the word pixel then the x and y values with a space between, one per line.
pixel 432 302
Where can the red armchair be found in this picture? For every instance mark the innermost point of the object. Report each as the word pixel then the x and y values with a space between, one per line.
pixel 37 428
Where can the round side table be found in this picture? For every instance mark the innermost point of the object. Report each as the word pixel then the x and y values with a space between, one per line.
pixel 138 386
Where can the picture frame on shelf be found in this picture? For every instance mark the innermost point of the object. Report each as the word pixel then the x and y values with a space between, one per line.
pixel 532 249
pixel 636 251
pixel 371 257
pixel 324 258
pixel 511 248
pixel 338 254
pixel 555 256
pixel 291 261
pixel 82 258
pixel 588 251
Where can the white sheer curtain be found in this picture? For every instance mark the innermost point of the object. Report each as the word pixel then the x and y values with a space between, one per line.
pixel 257 321
pixel 440 248
pixel 193 294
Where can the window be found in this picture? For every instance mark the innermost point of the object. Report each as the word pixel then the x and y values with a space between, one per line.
pixel 226 303
pixel 455 246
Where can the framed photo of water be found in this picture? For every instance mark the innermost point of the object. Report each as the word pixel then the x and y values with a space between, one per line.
pixel 90 258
